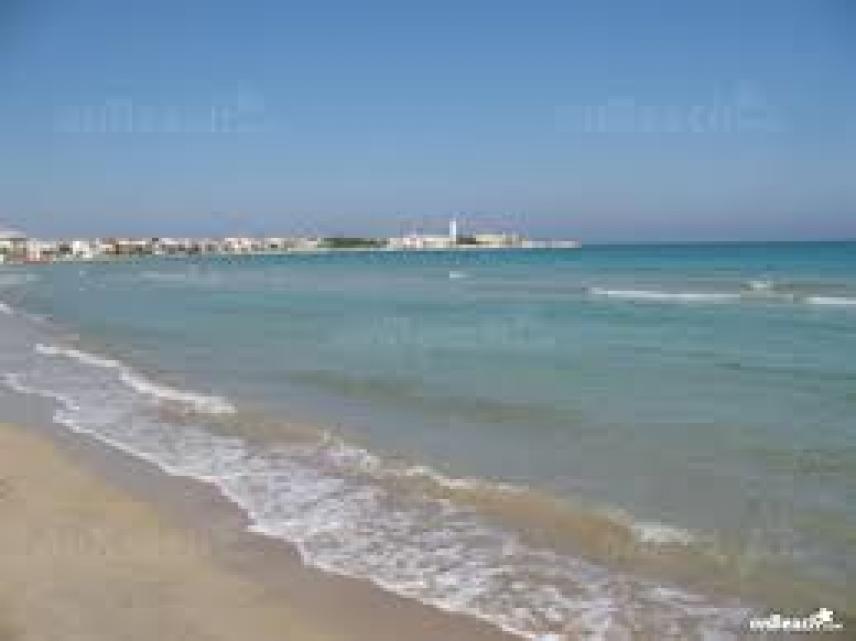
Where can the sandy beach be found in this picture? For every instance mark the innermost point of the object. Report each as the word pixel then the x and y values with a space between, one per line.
pixel 82 560
pixel 99 546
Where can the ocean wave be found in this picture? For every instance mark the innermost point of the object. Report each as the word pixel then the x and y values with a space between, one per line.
pixel 199 402
pixel 761 291
pixel 6 309
pixel 656 533
pixel 665 296
pixel 835 301
pixel 349 456
pixel 346 455
pixel 13 382
pixel 340 505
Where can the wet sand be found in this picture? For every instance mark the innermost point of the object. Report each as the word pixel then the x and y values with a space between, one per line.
pixel 97 545
pixel 82 560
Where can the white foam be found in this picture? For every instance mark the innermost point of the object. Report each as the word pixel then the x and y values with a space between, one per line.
pixel 759 290
pixel 13 382
pixel 831 300
pixel 664 296
pixel 199 402
pixel 6 309
pixel 78 355
pixel 349 455
pixel 655 533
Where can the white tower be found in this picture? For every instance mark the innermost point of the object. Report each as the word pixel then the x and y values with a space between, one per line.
pixel 453 230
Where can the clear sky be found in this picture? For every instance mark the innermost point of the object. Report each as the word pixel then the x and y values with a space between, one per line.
pixel 600 120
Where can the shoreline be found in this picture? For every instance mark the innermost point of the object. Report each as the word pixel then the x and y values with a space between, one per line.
pixel 119 548
pixel 83 560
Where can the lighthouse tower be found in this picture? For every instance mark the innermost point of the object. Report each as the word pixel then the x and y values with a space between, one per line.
pixel 453 231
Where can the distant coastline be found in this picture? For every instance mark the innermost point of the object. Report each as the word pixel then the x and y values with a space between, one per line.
pixel 17 247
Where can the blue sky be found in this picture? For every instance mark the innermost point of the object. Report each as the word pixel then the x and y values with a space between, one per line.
pixel 601 120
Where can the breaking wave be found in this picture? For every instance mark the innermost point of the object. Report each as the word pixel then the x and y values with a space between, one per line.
pixel 664 296
pixel 754 291
pixel 836 301
pixel 199 402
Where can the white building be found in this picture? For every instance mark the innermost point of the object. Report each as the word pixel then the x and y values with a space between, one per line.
pixel 421 241
pixel 84 249
pixel 276 244
pixel 204 246
pixel 237 245
pixel 39 251
pixel 171 246
pixel 13 245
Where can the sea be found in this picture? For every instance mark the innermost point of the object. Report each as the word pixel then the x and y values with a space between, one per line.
pixel 613 442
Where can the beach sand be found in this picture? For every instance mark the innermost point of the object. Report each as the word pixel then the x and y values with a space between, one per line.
pixel 82 560
pixel 95 545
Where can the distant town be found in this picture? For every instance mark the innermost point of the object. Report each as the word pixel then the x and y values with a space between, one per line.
pixel 18 247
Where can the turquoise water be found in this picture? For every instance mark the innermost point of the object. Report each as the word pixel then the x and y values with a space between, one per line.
pixel 700 397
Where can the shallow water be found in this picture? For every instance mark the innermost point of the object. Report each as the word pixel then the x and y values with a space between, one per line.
pixel 647 439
